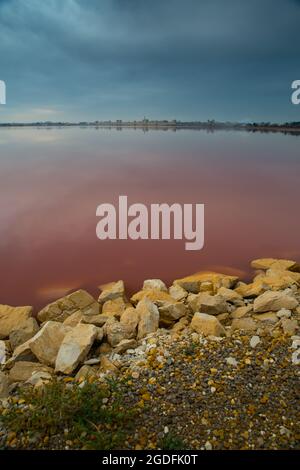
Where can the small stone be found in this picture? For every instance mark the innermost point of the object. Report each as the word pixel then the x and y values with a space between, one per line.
pixel 284 313
pixel 254 341
pixel 208 446
pixel 289 326
pixel 231 361
pixel 124 345
pixel 108 366
pixel 86 372
pixel 296 357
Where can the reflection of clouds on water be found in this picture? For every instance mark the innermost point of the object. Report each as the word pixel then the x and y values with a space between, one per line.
pixel 49 195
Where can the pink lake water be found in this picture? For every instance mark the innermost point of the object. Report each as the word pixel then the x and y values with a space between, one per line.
pixel 52 180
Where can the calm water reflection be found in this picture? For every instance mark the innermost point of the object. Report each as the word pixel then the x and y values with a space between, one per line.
pixel 51 181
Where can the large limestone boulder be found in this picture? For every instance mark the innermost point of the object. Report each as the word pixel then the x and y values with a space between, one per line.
pixel 115 332
pixel 241 311
pixel 281 264
pixel 148 317
pixel 23 333
pixel 169 309
pixel 207 325
pixel 66 306
pixel 155 295
pixel 172 311
pixel 246 324
pixel 178 293
pixel 23 371
pixel 75 318
pixel 115 307
pixel 251 290
pixel 75 347
pixel 193 283
pixel 11 318
pixel 97 320
pixel 130 320
pixel 111 291
pixel 231 296
pixel 154 284
pixel 4 385
pixel 46 343
pixel 206 303
pixel 274 301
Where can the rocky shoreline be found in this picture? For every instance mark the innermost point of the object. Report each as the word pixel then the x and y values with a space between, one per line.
pixel 208 363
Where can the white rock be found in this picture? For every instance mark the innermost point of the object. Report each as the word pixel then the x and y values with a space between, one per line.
pixel 231 361
pixel 284 313
pixel 254 341
pixel 296 344
pixel 296 357
pixel 208 446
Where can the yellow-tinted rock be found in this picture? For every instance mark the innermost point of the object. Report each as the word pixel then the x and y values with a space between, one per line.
pixel 23 370
pixel 148 317
pixel 130 319
pixel 274 301
pixel 246 323
pixel 26 330
pixel 241 311
pixel 115 332
pixel 111 291
pixel 266 263
pixel 86 372
pixel 206 303
pixel 74 319
pixel 115 307
pixel 192 283
pixel 66 306
pixel 208 325
pixel 108 366
pixel 154 284
pixel 155 295
pixel 12 317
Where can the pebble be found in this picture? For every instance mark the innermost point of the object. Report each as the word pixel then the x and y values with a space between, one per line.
pixel 231 361
pixel 254 341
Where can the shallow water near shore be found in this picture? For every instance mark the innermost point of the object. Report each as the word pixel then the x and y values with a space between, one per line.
pixel 52 180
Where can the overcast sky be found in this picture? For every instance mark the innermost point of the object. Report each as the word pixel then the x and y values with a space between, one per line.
pixel 118 59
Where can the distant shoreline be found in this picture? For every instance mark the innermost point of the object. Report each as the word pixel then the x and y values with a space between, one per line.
pixel 145 125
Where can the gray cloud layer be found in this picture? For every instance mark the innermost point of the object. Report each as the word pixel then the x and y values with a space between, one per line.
pixel 198 59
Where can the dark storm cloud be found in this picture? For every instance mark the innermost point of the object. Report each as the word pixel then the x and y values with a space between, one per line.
pixel 78 59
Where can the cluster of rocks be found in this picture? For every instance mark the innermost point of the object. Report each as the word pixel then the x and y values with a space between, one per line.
pixel 77 335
